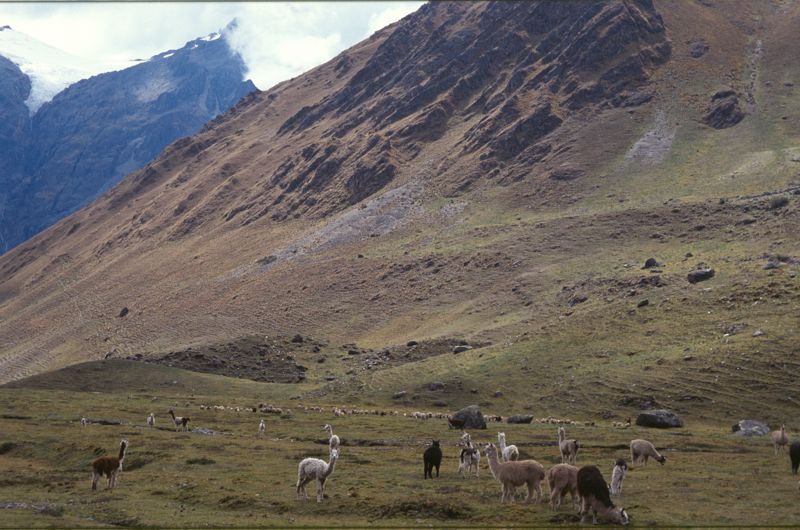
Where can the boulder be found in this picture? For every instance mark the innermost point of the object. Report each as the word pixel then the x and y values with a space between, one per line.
pixel 520 418
pixel 700 275
pixel 436 385
pixel 472 417
pixel 650 263
pixel 750 428
pixel 398 395
pixel 659 419
pixel 697 48
pixel 724 110
pixel 461 348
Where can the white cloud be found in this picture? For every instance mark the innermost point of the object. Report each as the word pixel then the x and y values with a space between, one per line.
pixel 276 40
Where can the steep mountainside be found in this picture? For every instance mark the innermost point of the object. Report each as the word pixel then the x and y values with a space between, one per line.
pixel 97 130
pixel 494 172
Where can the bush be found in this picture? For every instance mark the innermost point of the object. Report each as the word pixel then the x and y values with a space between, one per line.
pixel 778 202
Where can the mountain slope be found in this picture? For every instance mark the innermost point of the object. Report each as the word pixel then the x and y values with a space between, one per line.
pixel 99 129
pixel 497 172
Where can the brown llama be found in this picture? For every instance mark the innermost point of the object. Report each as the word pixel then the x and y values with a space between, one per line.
pixel 110 466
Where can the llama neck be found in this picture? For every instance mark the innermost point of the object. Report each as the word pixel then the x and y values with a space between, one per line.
pixel 329 467
pixel 494 464
pixel 172 414
pixel 561 435
pixel 502 442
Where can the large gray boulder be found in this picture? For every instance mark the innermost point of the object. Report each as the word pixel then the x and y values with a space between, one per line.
pixel 473 419
pixel 659 419
pixel 750 428
pixel 520 418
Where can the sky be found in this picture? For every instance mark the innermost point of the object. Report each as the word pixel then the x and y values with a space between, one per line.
pixel 276 40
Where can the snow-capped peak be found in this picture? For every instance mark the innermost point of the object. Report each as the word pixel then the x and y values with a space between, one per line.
pixel 50 70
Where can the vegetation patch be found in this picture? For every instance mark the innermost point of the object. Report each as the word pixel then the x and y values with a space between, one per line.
pixel 428 509
pixel 202 461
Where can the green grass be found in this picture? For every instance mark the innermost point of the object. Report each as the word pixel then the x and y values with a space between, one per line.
pixel 236 479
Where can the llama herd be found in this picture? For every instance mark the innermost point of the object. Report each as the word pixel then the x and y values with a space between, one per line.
pixel 585 485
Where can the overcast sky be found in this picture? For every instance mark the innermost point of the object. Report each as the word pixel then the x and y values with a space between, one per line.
pixel 276 40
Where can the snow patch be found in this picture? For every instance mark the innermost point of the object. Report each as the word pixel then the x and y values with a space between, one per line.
pixel 167 55
pixel 152 88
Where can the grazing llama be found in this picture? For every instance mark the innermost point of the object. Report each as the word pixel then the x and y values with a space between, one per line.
pixel 509 452
pixel 315 469
pixel 641 450
pixel 151 420
pixel 562 479
pixel 110 466
pixel 514 474
pixel 469 458
pixel 432 458
pixel 333 440
pixel 180 422
pixel 779 439
pixel 568 448
pixel 618 475
pixel 84 421
pixel 794 455
pixel 262 427
pixel 593 491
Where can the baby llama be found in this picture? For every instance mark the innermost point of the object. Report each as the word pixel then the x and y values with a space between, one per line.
pixel 180 421
pixel 151 420
pixel 618 475
pixel 509 452
pixel 562 479
pixel 315 469
pixel 641 450
pixel 779 439
pixel 333 440
pixel 262 428
pixel 568 448
pixel 110 466
pixel 593 491
pixel 514 474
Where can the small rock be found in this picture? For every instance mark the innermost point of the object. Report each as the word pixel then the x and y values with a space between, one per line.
pixel 697 48
pixel 297 339
pixel 643 303
pixel 498 394
pixel 124 312
pixel 771 265
pixel 660 419
pixel 520 418
pixel 398 395
pixel 436 385
pixel 411 343
pixel 758 333
pixel 750 428
pixel 650 263
pixel 461 348
pixel 700 275
pixel 733 329
pixel 578 299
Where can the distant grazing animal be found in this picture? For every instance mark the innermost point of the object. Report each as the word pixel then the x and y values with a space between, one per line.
pixel 315 469
pixel 568 448
pixel 84 421
pixel 151 420
pixel 514 474
pixel 794 454
pixel 593 491
pixel 641 450
pixel 333 440
pixel 562 479
pixel 454 423
pixel 509 452
pixel 618 475
pixel 432 458
pixel 262 427
pixel 180 422
pixel 779 439
pixel 110 466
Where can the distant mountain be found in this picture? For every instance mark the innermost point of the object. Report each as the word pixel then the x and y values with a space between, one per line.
pixel 65 140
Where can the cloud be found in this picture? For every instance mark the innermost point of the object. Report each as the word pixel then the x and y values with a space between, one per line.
pixel 276 40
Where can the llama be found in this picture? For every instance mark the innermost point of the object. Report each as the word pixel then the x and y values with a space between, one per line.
pixel 794 455
pixel 593 491
pixel 151 420
pixel 432 458
pixel 180 422
pixel 562 479
pixel 315 469
pixel 466 439
pixel 470 458
pixel 779 439
pixel 333 440
pixel 641 450
pixel 84 421
pixel 618 475
pixel 262 427
pixel 109 466
pixel 509 452
pixel 514 474
pixel 569 448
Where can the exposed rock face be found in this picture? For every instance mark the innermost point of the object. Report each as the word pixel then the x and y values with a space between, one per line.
pixel 472 417
pixel 724 110
pixel 660 419
pixel 750 428
pixel 100 129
